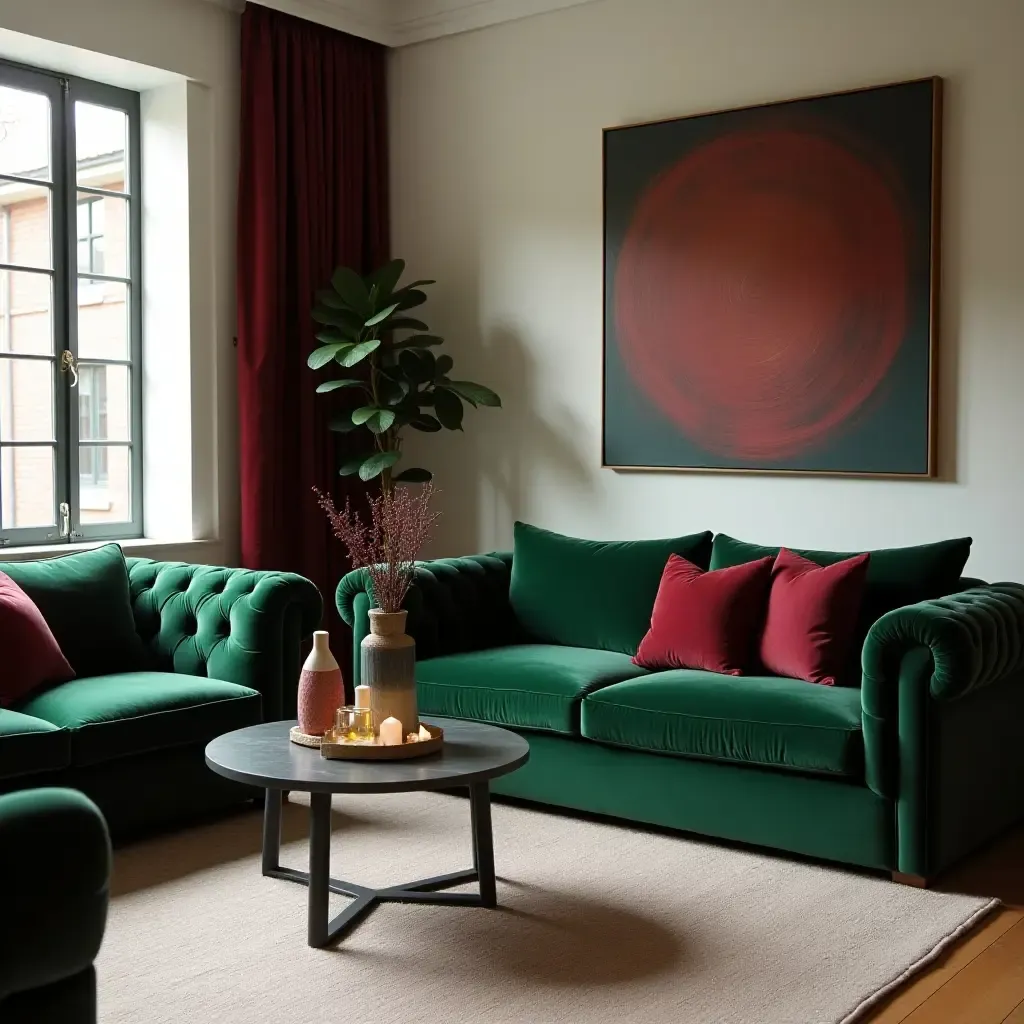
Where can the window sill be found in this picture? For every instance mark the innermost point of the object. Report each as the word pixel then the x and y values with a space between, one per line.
pixel 195 551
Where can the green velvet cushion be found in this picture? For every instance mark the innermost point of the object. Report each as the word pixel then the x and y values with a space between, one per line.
pixel 30 745
pixel 763 721
pixel 85 601
pixel 55 866
pixel 120 715
pixel 588 593
pixel 532 686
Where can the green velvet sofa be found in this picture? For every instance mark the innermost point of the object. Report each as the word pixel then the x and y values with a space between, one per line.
pixel 213 649
pixel 55 866
pixel 917 766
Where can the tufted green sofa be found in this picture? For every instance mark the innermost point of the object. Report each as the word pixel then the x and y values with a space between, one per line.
pixel 217 649
pixel 918 766
pixel 55 867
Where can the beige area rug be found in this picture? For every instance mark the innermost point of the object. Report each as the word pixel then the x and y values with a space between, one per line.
pixel 598 923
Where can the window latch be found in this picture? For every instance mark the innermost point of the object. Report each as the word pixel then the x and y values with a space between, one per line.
pixel 65 519
pixel 69 364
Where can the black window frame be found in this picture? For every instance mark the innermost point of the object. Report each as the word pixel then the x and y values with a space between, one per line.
pixel 63 92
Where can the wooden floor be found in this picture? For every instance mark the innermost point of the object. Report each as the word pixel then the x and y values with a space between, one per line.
pixel 981 980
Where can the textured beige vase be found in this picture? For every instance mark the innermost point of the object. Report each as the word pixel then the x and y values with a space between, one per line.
pixel 388 666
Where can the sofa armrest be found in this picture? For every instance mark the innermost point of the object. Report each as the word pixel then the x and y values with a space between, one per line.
pixel 931 672
pixel 454 605
pixel 55 866
pixel 239 625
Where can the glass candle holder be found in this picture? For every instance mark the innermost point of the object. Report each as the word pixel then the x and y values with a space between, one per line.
pixel 353 725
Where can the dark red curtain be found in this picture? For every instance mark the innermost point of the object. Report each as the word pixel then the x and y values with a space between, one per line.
pixel 312 196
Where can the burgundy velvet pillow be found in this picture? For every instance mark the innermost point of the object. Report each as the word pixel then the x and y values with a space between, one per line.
pixel 30 654
pixel 707 620
pixel 812 613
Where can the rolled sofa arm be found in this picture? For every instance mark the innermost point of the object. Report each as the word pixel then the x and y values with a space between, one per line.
pixel 240 625
pixel 55 871
pixel 454 605
pixel 941 650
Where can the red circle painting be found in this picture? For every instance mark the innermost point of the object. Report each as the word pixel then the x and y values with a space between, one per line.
pixel 761 290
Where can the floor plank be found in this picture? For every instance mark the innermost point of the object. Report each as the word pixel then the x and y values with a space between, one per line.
pixel 981 980
pixel 989 988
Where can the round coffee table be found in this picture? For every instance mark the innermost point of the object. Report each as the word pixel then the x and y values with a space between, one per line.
pixel 473 754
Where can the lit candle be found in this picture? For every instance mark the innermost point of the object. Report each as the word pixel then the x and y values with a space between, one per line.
pixel 362 696
pixel 391 732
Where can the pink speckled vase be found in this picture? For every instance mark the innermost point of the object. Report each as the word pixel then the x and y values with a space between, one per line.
pixel 321 691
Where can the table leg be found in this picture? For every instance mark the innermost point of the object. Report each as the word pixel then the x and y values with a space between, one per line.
pixel 272 830
pixel 319 867
pixel 483 842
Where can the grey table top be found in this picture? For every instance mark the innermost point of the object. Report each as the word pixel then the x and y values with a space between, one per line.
pixel 262 755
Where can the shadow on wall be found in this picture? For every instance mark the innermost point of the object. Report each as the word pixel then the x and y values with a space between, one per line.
pixel 488 476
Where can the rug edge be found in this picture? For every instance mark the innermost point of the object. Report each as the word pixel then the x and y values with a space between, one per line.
pixel 930 957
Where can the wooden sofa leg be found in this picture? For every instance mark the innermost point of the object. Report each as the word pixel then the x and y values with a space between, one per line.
pixel 915 880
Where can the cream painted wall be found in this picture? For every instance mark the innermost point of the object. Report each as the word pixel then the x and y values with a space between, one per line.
pixel 496 157
pixel 197 41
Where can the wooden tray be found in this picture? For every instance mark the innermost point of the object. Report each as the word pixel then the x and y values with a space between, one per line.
pixel 372 752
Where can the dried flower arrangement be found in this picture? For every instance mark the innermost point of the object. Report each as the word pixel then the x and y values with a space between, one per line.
pixel 401 521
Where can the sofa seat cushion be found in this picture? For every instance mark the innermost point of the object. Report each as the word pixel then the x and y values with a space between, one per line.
pixel 528 686
pixel 765 721
pixel 134 712
pixel 29 745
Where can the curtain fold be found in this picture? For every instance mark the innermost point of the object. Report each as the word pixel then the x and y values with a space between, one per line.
pixel 312 196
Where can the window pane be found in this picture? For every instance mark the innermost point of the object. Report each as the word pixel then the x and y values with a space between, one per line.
pixel 102 319
pixel 104 484
pixel 25 225
pixel 103 245
pixel 104 409
pixel 26 487
pixel 24 133
pixel 101 138
pixel 26 317
pixel 26 400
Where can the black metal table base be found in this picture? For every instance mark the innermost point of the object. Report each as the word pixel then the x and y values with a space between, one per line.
pixel 322 930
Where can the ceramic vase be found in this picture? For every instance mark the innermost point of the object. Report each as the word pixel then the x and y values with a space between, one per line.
pixel 321 691
pixel 388 666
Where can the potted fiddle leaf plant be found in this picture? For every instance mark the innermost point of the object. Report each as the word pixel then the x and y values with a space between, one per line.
pixel 392 361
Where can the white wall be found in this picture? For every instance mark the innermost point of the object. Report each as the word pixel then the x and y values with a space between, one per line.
pixel 496 157
pixel 167 43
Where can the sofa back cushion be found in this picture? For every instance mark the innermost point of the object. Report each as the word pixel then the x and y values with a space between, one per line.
pixel 896 576
pixel 31 656
pixel 588 593
pixel 85 601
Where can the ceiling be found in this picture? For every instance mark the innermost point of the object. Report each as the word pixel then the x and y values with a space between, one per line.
pixel 400 22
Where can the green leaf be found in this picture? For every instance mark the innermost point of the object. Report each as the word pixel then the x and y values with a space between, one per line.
pixel 410 298
pixel 391 391
pixel 419 341
pixel 333 385
pixel 323 355
pixel 353 465
pixel 377 463
pixel 340 320
pixel 382 315
pixel 359 352
pixel 333 336
pixel 428 424
pixel 418 366
pixel 386 278
pixel 413 476
pixel 352 290
pixel 448 408
pixel 407 323
pixel 381 420
pixel 417 284
pixel 443 365
pixel 425 398
pixel 329 297
pixel 362 414
pixel 475 393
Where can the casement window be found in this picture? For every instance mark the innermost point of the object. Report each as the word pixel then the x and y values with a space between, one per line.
pixel 70 314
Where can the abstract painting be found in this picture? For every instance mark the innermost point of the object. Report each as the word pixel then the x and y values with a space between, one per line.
pixel 770 282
